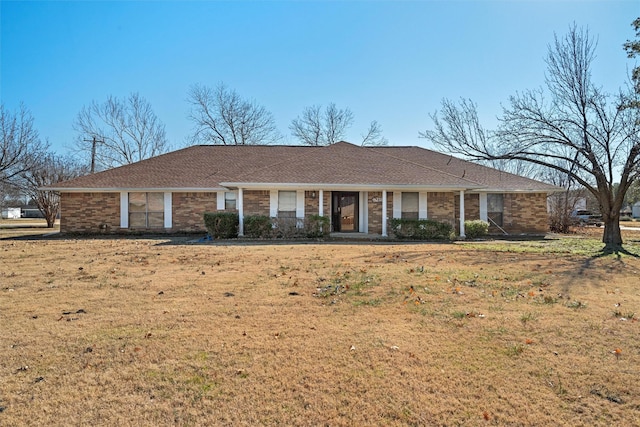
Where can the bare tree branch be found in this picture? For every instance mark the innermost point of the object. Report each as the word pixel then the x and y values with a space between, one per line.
pixel 222 117
pixel 373 136
pixel 20 145
pixel 49 170
pixel 128 131
pixel 571 127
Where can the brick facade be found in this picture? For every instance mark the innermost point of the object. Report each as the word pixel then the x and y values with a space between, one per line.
pixel 525 214
pixel 100 212
pixel 89 212
pixel 375 212
pixel 188 210
pixel 441 207
pixel 256 202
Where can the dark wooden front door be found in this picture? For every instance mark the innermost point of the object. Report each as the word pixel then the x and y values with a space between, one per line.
pixel 345 211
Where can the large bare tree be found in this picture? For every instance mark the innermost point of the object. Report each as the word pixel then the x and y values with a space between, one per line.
pixel 570 126
pixel 20 145
pixel 316 126
pixel 221 116
pixel 120 131
pixel 49 170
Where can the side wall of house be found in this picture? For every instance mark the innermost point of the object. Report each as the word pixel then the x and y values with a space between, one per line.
pixel 89 212
pixel 188 210
pixel 525 213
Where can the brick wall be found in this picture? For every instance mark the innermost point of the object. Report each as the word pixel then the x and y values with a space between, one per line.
pixel 525 213
pixel 188 210
pixel 256 202
pixel 441 207
pixel 89 212
pixel 375 212
pixel 311 204
pixel 471 208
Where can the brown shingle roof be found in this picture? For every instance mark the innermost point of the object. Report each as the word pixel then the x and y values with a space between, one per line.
pixel 207 167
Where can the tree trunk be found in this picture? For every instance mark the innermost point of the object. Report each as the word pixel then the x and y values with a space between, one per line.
pixel 612 238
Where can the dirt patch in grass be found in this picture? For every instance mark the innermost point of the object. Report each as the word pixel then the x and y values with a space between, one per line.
pixel 135 332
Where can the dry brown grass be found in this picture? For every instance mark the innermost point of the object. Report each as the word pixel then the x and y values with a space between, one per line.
pixel 156 332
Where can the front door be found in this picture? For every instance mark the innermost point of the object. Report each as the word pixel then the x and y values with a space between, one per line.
pixel 345 211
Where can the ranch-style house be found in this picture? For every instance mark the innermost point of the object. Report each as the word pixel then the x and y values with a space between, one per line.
pixel 358 188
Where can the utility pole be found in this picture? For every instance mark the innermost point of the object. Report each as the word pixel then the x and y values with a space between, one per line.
pixel 94 142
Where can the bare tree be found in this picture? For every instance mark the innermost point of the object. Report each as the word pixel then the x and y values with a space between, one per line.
pixel 20 145
pixel 373 135
pixel 570 127
pixel 49 170
pixel 221 116
pixel 316 126
pixel 127 131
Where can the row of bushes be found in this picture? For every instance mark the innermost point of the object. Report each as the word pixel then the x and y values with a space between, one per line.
pixel 224 225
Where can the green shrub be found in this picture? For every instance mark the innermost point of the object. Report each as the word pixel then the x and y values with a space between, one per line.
pixel 421 229
pixel 222 225
pixel 476 228
pixel 317 226
pixel 258 226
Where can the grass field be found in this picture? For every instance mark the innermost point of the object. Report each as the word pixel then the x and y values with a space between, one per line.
pixel 163 332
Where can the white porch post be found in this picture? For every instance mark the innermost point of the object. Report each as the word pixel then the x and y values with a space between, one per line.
pixel 397 204
pixel 300 208
pixel 462 213
pixel 365 212
pixel 273 203
pixel 124 209
pixel 422 205
pixel 168 210
pixel 220 200
pixel 484 215
pixel 384 213
pixel 240 206
pixel 321 203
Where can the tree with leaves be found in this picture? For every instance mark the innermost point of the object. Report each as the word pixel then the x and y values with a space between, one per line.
pixel 120 131
pixel 571 126
pixel 221 116
pixel 316 127
pixel 50 169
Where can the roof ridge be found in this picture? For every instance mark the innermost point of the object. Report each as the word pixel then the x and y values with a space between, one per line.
pixel 287 160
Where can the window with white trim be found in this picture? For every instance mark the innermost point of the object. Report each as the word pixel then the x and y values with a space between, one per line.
pixel 229 201
pixel 286 204
pixel 410 205
pixel 146 210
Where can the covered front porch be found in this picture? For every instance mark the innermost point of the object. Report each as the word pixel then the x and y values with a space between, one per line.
pixel 362 212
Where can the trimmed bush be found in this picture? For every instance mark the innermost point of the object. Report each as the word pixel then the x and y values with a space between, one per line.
pixel 476 228
pixel 421 229
pixel 258 226
pixel 317 226
pixel 222 225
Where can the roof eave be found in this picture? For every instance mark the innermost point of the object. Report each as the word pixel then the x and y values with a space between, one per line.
pixel 131 189
pixel 344 187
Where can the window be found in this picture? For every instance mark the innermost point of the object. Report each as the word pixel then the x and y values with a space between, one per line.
pixel 229 201
pixel 146 210
pixel 495 208
pixel 409 205
pixel 286 204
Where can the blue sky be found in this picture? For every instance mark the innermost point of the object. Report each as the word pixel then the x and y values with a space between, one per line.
pixel 390 61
